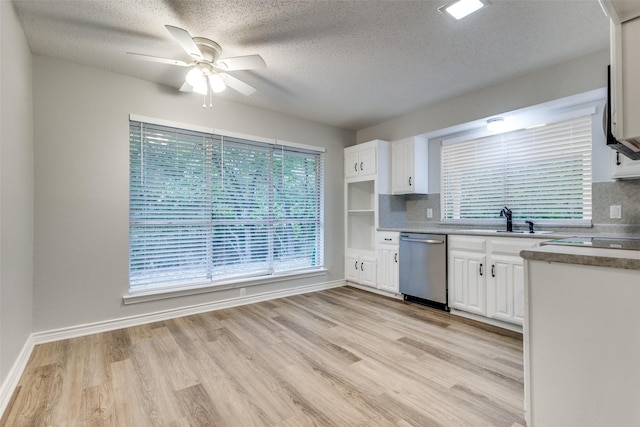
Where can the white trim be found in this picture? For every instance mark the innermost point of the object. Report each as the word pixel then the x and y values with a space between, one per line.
pixel 169 123
pixel 303 146
pixel 13 377
pixel 125 322
pixel 554 117
pixel 244 136
pixel 395 295
pixel 155 294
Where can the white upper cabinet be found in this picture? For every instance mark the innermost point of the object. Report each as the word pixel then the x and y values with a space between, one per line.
pixel 625 71
pixel 360 160
pixel 409 166
pixel 623 167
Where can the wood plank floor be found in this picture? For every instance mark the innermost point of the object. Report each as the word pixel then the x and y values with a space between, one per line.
pixel 341 357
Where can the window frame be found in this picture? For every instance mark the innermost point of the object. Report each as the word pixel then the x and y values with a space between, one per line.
pixel 166 290
pixel 551 118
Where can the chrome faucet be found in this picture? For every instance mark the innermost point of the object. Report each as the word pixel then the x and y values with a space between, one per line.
pixel 506 212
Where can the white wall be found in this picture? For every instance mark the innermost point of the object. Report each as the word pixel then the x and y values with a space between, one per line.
pixel 16 190
pixel 569 78
pixel 82 186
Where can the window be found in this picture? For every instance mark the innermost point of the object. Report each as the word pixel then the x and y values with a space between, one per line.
pixel 541 173
pixel 207 208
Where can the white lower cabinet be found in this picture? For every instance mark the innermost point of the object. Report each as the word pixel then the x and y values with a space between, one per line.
pixel 505 293
pixel 388 253
pixel 467 274
pixel 486 276
pixel 360 269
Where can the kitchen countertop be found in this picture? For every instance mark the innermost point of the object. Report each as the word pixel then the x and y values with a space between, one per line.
pixel 480 232
pixel 613 258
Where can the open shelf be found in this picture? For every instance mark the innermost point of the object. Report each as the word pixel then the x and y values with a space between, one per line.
pixel 361 230
pixel 360 196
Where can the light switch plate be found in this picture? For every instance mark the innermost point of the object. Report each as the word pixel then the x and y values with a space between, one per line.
pixel 615 212
pixel 429 213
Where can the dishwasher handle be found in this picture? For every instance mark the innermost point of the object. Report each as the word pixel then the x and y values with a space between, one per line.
pixel 433 241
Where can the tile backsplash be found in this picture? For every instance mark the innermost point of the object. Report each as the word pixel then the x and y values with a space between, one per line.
pixel 410 211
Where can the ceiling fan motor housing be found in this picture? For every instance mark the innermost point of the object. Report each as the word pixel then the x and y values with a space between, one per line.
pixel 210 50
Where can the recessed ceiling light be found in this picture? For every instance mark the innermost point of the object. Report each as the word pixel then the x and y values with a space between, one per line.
pixel 461 8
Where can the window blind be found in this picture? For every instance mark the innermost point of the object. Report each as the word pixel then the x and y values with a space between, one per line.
pixel 207 208
pixel 542 173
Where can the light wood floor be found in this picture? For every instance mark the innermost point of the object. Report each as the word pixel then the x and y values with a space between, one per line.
pixel 341 357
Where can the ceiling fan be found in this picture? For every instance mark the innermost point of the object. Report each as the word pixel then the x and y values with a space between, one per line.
pixel 208 73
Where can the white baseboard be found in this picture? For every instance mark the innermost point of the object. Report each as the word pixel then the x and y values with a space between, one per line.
pixel 11 382
pixel 125 322
pixel 376 291
pixel 9 385
pixel 488 320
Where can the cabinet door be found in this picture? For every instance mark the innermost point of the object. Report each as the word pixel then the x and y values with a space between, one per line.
pixel 401 167
pixel 624 167
pixel 352 268
pixel 395 271
pixel 351 164
pixel 505 289
pixel 388 269
pixel 368 271
pixel 467 272
pixel 367 161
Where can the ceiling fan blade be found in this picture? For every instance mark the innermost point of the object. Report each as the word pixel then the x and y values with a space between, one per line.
pixel 186 41
pixel 158 59
pixel 248 62
pixel 186 87
pixel 237 84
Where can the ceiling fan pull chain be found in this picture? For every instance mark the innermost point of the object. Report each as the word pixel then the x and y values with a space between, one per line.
pixel 204 101
pixel 210 95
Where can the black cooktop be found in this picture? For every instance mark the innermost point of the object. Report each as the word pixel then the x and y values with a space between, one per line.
pixel 599 242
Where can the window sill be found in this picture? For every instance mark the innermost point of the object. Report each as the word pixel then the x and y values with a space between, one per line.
pixel 175 292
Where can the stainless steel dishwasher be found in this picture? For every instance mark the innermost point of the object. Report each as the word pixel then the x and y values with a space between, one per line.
pixel 423 269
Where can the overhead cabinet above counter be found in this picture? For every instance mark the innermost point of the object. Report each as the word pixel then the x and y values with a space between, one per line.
pixel 624 84
pixel 360 160
pixel 409 166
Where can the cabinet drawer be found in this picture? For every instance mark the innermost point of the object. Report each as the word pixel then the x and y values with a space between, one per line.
pixel 467 243
pixel 388 237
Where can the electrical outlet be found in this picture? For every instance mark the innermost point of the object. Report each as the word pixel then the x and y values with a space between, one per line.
pixel 429 213
pixel 243 292
pixel 615 212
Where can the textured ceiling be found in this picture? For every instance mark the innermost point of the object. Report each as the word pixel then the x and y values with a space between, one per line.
pixel 349 63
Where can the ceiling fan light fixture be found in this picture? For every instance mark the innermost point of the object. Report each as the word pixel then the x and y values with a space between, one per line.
pixel 216 83
pixel 461 8
pixel 196 79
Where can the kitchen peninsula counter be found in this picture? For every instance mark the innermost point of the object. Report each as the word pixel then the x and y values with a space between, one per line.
pixel 599 257
pixel 581 345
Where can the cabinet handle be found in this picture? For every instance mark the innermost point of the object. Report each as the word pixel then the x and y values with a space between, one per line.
pixel 356 265
pixel 362 266
pixel 395 256
pixel 387 239
pixel 481 269
pixel 409 181
pixel 493 270
pixel 355 166
pixel 361 168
